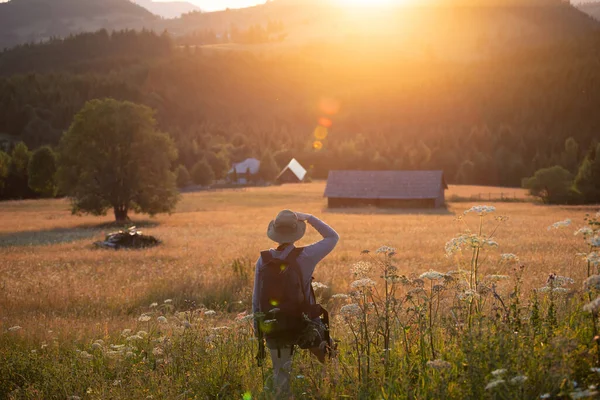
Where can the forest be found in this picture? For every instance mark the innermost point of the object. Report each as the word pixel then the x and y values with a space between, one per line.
pixel 491 121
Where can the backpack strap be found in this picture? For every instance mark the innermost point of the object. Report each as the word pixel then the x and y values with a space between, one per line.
pixel 266 256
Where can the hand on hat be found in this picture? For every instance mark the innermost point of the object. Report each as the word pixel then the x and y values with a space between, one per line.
pixel 302 216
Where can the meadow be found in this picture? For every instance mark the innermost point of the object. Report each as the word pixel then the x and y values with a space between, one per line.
pixel 172 321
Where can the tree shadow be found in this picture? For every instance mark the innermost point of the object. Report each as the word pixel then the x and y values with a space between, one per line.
pixel 48 237
pixel 388 211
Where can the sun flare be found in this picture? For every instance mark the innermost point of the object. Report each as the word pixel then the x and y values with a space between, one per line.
pixel 373 3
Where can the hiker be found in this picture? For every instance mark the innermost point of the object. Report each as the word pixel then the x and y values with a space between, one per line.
pixel 283 299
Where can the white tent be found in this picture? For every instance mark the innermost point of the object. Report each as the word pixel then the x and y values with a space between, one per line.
pixel 251 164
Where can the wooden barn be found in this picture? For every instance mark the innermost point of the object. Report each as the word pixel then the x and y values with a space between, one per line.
pixel 386 189
pixel 294 172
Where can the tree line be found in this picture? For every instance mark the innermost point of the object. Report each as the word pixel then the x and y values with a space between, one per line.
pixel 488 122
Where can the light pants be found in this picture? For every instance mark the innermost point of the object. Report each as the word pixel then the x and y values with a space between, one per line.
pixel 282 367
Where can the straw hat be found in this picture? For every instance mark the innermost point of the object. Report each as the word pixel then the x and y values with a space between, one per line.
pixel 286 228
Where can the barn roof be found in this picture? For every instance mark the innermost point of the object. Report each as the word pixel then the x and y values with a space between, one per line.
pixel 385 184
pixel 297 169
pixel 250 163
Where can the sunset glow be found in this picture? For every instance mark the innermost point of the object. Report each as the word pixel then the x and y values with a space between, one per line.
pixel 373 3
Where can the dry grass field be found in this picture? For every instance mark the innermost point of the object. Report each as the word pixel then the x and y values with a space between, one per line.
pixel 54 279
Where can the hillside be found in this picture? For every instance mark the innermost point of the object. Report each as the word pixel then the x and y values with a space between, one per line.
pixel 590 8
pixel 34 20
pixel 171 9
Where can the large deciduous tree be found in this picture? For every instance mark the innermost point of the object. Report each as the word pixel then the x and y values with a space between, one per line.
pixel 113 157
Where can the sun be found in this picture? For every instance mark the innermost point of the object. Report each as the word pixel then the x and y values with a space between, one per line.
pixel 372 3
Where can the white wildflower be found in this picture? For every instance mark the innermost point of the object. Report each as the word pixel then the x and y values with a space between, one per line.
pixel 113 354
pixel 144 318
pixel 489 242
pixel 498 372
pixel 134 338
pixel 595 241
pixel 560 290
pixel 582 394
pixel 126 332
pixel 480 210
pixel 117 346
pixel 210 312
pixel 85 355
pixel 545 396
pixel 224 328
pixel 562 280
pixel 319 285
pixel 468 295
pixel 432 275
pixel 593 306
pixel 157 351
pixel 494 383
pixel 116 382
pixel 153 305
pixel 385 249
pixel 593 258
pixel 496 278
pixel 129 354
pixel 14 328
pixel 300 377
pixel 162 319
pixel 439 364
pixel 340 296
pixel 142 334
pixel 362 284
pixel 361 269
pixel 509 257
pixel 585 231
pixel 518 380
pixel 350 310
pixel 595 369
pixel 99 341
pixel 544 289
pixel 167 301
pixel 455 245
pixel 560 224
pixel 96 346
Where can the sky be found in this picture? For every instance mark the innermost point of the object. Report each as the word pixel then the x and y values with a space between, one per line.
pixel 213 5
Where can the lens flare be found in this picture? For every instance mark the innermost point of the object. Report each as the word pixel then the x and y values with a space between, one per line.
pixel 317 145
pixel 326 122
pixel 320 133
pixel 329 106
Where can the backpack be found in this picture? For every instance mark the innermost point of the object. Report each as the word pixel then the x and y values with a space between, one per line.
pixel 285 311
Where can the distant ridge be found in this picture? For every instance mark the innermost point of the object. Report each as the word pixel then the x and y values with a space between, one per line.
pixel 24 21
pixel 592 9
pixel 168 9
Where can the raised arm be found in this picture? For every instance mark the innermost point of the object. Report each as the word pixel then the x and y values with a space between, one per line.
pixel 319 250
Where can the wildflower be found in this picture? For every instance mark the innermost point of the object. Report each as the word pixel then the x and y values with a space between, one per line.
pixel 319 285
pixel 157 351
pixel 351 310
pixel 300 377
pixel 494 383
pixel 142 334
pixel 340 296
pixel 468 295
pixel 210 312
pixel 545 396
pixel 585 231
pixel 162 319
pixel 432 275
pixel 560 290
pixel 144 318
pixel 100 341
pixel 439 364
pixel 85 355
pixel 361 269
pixel 153 305
pixel 496 278
pixel 362 283
pixel 96 346
pixel 593 306
pixel 126 332
pixel 385 249
pixel 509 257
pixel 455 245
pixel 224 328
pixel 558 280
pixel 117 346
pixel 14 328
pixel 595 241
pixel 129 354
pixel 116 382
pixel 416 291
pixel 167 301
pixel 593 282
pixel 560 224
pixel 593 258
pixel 134 337
pixel 498 372
pixel 187 325
pixel 518 380
pixel 582 394
pixel 595 369
pixel 480 210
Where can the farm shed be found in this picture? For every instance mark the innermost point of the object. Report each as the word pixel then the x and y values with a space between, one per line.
pixel 294 172
pixel 387 189
pixel 242 169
